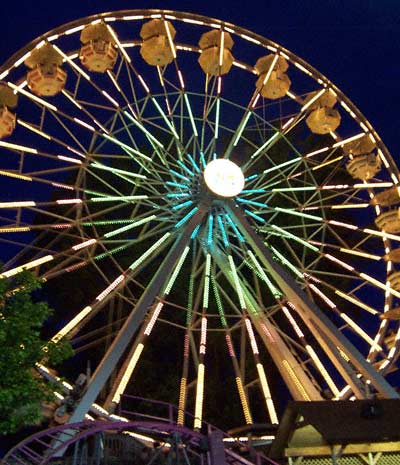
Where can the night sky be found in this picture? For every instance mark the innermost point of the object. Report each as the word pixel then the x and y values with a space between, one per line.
pixel 355 43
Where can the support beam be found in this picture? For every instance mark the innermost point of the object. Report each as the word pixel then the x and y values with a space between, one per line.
pixel 308 309
pixel 296 379
pixel 134 320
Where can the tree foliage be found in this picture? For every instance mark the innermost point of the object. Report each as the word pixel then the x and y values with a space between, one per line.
pixel 22 390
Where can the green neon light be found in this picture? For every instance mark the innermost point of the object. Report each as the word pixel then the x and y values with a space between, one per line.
pixel 191 115
pixel 126 147
pixel 286 262
pixel 275 292
pixel 239 289
pixel 164 116
pixel 295 238
pixel 106 223
pixel 140 126
pixel 149 251
pixel 130 226
pixel 265 145
pixel 116 170
pixel 112 251
pixel 241 127
pixel 296 213
pixel 218 301
pixel 286 163
pixel 176 270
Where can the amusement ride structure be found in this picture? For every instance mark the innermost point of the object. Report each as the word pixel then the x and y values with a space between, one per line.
pixel 218 227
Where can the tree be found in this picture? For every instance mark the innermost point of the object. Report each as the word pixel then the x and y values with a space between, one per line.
pixel 22 390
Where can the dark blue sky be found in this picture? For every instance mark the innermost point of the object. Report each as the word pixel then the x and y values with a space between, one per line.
pixel 355 43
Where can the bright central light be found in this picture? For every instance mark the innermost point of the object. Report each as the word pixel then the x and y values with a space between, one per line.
pixel 224 178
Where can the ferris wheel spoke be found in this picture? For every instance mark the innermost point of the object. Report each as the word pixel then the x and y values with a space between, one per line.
pixel 295 294
pixel 129 365
pixel 136 316
pixel 308 348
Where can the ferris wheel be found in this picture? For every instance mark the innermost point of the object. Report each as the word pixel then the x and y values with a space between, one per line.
pixel 210 214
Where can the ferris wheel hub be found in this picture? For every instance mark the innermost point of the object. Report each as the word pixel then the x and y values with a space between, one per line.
pixel 224 178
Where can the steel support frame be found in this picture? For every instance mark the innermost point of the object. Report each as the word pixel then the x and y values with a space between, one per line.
pixel 303 389
pixel 135 318
pixel 307 309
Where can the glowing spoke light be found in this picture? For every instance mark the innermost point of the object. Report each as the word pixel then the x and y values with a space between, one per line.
pixel 84 244
pixel 176 184
pixel 142 128
pixel 195 165
pixel 186 217
pixel 32 96
pixel 286 262
pixel 21 148
pixel 27 266
pixel 206 290
pixel 267 394
pixel 252 202
pixel 176 270
pixel 15 229
pixel 296 213
pixel 255 216
pixel 130 226
pixel 275 292
pixel 182 205
pixel 33 129
pixel 239 289
pixel 323 371
pixel 122 198
pixel 189 109
pixel 198 412
pixel 27 203
pixel 210 229
pixel 149 251
pixel 128 372
pixel 72 324
pixel 221 226
pixel 110 288
pixel 153 319
pixel 357 302
pixel 11 174
pixel 243 400
pixel 295 238
pixel 116 170
pixel 252 338
pixel 296 380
